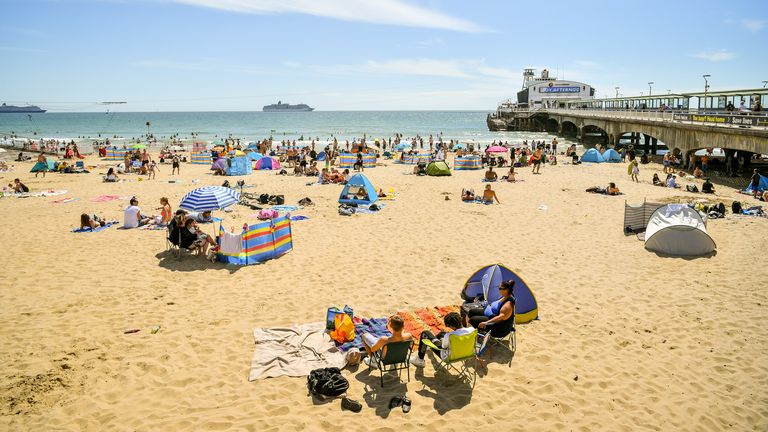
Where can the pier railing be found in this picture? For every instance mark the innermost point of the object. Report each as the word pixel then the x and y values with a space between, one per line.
pixel 732 120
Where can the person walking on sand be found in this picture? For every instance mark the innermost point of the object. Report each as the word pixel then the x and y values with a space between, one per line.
pixel 536 159
pixel 41 159
pixel 176 165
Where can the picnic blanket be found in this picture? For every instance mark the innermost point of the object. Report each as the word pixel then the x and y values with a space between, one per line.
pixel 374 326
pixel 415 322
pixel 40 194
pixel 293 351
pixel 285 208
pixel 85 230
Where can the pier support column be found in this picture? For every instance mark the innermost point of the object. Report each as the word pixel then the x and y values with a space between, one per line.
pixel 654 145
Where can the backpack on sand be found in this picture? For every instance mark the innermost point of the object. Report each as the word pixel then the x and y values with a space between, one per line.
pixel 736 207
pixel 327 382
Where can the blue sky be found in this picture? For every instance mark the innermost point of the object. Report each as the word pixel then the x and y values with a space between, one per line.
pixel 193 55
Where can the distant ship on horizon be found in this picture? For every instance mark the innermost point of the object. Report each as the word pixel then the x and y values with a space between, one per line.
pixel 284 107
pixel 17 109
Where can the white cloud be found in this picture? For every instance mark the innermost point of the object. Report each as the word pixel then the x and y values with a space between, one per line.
pixel 715 56
pixel 390 12
pixel 754 25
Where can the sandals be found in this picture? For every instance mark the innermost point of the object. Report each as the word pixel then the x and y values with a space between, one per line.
pixel 403 402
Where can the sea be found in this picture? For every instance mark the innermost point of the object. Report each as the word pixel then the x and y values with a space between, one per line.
pixel 323 126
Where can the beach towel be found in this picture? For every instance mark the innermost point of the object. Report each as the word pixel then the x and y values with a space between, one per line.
pixel 107 198
pixel 48 193
pixel 299 217
pixel 375 326
pixel 65 200
pixel 430 318
pixel 231 244
pixel 285 208
pixel 102 228
pixel 293 351
pixel 364 210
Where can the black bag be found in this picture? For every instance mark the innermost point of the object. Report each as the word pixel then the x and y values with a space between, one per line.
pixel 327 382
pixel 691 188
pixel 225 184
pixel 306 202
pixel 736 207
pixel 721 208
pixel 264 199
pixel 277 199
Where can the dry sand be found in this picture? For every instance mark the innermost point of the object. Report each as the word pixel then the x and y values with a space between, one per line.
pixel 627 340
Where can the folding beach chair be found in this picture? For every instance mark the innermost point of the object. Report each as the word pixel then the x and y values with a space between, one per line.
pixel 509 340
pixel 463 352
pixel 173 244
pixel 394 356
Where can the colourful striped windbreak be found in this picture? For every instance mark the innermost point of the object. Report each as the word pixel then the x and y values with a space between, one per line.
pixel 262 242
pixel 115 154
pixel 348 160
pixel 468 163
pixel 413 159
pixel 201 158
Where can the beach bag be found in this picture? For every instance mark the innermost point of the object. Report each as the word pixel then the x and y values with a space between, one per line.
pixel 721 208
pixel 277 199
pixel 225 184
pixel 691 188
pixel 306 202
pixel 736 207
pixel 344 329
pixel 264 199
pixel 327 382
pixel 267 214
pixel 330 316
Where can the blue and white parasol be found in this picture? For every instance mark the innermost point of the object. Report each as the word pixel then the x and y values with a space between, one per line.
pixel 209 198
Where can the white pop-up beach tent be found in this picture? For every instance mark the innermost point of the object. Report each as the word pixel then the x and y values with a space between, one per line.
pixel 679 230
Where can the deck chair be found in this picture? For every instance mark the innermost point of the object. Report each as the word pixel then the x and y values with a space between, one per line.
pixel 487 340
pixel 463 351
pixel 173 244
pixel 394 356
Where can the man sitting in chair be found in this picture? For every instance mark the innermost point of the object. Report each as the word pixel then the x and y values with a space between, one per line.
pixel 453 327
pixel 372 344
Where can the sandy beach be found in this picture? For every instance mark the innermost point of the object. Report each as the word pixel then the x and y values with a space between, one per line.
pixel 627 340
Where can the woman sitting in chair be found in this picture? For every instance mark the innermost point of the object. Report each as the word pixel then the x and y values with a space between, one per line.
pixel 498 317
pixel 193 238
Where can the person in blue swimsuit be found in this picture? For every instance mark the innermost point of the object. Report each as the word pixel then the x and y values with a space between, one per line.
pixel 498 315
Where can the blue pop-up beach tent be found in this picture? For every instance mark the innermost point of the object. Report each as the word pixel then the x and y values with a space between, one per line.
pixel 239 166
pixel 486 281
pixel 592 155
pixel 349 195
pixel 611 155
pixel 763 185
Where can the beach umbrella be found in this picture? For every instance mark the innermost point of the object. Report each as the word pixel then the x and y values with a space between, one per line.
pixel 138 146
pixel 403 146
pixel 209 198
pixel 496 149
pixel 459 146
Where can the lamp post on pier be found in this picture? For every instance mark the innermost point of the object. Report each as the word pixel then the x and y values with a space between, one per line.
pixel 650 88
pixel 706 88
pixel 617 92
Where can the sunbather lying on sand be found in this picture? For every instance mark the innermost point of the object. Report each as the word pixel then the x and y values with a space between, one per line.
pixel 93 221
pixel 468 195
pixel 610 190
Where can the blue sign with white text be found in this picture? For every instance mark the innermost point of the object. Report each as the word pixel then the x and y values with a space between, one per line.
pixel 574 89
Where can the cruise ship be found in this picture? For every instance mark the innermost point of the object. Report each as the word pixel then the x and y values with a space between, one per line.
pixel 18 109
pixel 284 107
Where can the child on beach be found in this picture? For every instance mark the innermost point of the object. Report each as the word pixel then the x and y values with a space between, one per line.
pixel 152 170
pixel 176 164
pixel 635 171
